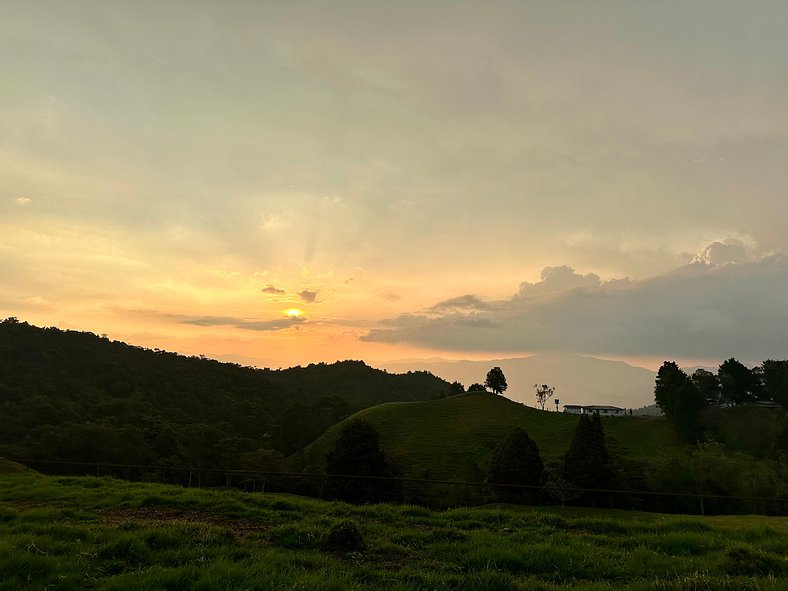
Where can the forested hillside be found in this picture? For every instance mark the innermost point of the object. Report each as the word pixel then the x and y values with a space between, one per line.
pixel 68 395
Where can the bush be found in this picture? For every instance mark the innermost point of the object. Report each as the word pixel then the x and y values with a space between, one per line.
pixel 345 536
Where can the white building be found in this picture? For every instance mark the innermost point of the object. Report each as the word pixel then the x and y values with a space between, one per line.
pixel 600 409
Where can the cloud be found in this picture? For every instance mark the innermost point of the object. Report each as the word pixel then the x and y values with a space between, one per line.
pixel 256 325
pixel 556 280
pixel 718 253
pixel 23 201
pixel 307 296
pixel 273 290
pixel 723 307
pixel 463 303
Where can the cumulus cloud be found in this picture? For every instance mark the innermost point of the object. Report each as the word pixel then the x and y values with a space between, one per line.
pixel 307 296
pixel 556 280
pixel 719 253
pixel 23 201
pixel 272 289
pixel 725 306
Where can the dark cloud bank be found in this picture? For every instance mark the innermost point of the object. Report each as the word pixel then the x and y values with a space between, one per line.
pixel 257 325
pixel 720 305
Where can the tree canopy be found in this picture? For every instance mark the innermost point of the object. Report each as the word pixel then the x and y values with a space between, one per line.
pixel 78 397
pixel 739 384
pixel 679 398
pixel 587 462
pixel 496 381
pixel 516 460
pixel 543 394
pixel 357 452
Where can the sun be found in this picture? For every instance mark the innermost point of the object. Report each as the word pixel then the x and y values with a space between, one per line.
pixel 294 312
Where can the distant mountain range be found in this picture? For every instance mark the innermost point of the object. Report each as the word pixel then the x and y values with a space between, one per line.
pixel 578 379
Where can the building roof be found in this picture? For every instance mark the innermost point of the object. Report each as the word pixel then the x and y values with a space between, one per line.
pixel 601 407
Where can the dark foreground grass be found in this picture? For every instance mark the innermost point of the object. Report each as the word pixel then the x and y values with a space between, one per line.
pixel 99 533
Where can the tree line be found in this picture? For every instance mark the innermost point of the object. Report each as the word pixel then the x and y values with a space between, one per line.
pixel 515 461
pixel 76 396
pixel 690 401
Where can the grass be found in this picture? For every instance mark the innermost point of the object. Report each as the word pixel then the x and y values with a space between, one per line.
pixel 9 467
pixel 98 533
pixel 439 438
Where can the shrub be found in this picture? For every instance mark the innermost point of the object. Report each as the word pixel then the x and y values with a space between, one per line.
pixel 345 536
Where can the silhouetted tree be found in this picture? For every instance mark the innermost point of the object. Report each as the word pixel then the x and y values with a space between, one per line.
pixel 516 461
pixel 775 380
pixel 679 398
pixel 669 379
pixel 587 463
pixel 456 388
pixel 543 394
pixel 476 387
pixel 357 453
pixel 739 384
pixel 707 384
pixel 496 381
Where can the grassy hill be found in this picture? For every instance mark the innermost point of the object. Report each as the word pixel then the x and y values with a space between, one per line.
pixel 9 467
pixel 438 438
pixel 100 533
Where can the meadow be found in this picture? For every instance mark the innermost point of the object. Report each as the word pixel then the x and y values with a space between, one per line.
pixel 61 533
pixel 438 438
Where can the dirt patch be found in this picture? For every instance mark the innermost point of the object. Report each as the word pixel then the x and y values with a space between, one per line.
pixel 163 515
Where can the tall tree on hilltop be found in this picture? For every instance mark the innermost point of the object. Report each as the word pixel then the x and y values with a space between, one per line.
pixel 775 380
pixel 739 383
pixel 496 381
pixel 543 394
pixel 679 398
pixel 669 380
pixel 708 385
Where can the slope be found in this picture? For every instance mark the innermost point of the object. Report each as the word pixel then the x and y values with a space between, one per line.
pixel 75 396
pixel 442 438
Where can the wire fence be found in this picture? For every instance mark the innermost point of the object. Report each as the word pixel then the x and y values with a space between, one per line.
pixel 431 492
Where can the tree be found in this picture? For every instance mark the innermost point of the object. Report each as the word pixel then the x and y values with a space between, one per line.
pixel 357 452
pixel 516 461
pixel 543 394
pixel 679 398
pixel 587 462
pixel 669 380
pixel 496 381
pixel 456 388
pixel 707 384
pixel 775 380
pixel 739 384
pixel 477 387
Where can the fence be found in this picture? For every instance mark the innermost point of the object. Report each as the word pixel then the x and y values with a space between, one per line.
pixel 436 493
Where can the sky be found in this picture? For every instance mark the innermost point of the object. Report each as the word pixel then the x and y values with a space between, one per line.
pixel 280 183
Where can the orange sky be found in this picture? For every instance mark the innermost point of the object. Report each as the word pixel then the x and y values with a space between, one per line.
pixel 455 180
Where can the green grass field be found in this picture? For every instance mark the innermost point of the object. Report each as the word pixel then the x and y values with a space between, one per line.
pixel 436 439
pixel 64 533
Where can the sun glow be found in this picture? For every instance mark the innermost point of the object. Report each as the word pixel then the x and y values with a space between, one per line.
pixel 294 312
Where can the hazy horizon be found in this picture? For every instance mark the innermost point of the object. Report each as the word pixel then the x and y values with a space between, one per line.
pixel 306 182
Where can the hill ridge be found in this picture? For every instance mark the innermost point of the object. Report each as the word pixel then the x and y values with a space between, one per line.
pixel 424 436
